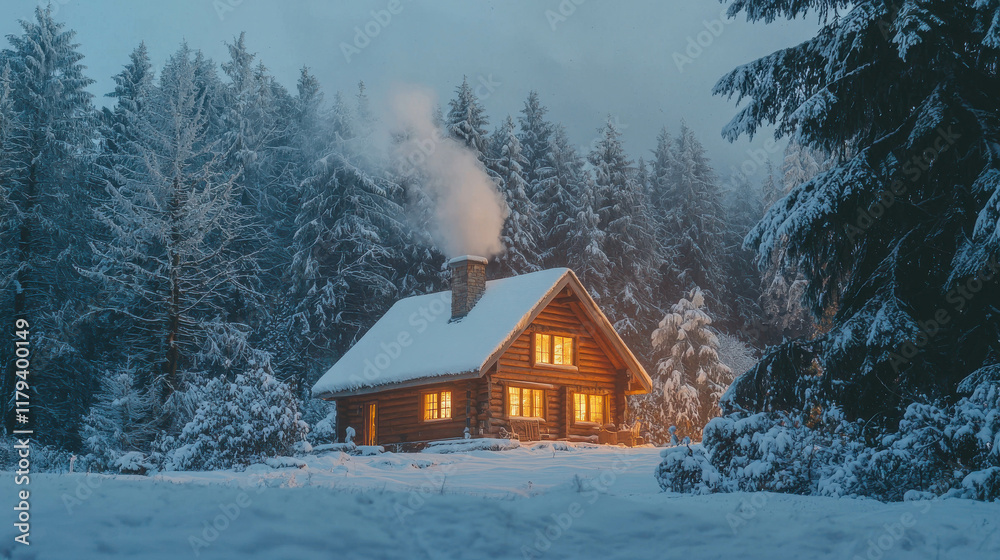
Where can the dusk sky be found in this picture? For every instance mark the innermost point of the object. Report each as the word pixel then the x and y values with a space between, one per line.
pixel 587 58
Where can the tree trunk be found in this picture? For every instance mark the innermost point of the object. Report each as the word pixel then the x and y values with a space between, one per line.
pixel 173 357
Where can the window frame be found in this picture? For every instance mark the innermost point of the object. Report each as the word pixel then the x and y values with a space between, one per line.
pixel 574 340
pixel 439 393
pixel 605 405
pixel 522 389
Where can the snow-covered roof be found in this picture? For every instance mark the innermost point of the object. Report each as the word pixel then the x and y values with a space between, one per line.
pixel 416 343
pixel 416 340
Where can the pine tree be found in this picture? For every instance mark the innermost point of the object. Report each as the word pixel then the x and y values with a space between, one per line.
pixel 522 230
pixel 585 246
pixel 51 132
pixel 693 227
pixel 342 269
pixel 663 177
pixel 562 202
pixel 256 140
pixel 171 269
pixel 536 140
pixel 252 129
pixel 690 377
pixel 744 208
pixel 121 418
pixel 133 86
pixel 13 136
pixel 906 215
pixel 628 241
pixel 467 120
pixel 782 286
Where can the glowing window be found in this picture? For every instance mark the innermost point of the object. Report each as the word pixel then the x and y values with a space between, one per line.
pixel 562 350
pixel 528 403
pixel 580 407
pixel 553 349
pixel 437 406
pixel 589 408
pixel 543 354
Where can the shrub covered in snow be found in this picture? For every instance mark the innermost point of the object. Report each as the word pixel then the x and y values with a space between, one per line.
pixel 44 458
pixel 238 422
pixel 132 462
pixel 939 450
pixel 325 430
pixel 687 469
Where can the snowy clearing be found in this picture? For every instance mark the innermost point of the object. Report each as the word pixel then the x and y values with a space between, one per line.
pixel 538 501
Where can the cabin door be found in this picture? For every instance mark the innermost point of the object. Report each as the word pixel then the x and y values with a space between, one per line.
pixel 371 424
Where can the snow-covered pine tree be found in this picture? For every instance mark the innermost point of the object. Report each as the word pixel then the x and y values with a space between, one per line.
pixel 629 240
pixel 420 268
pixel 239 422
pixel 256 137
pixel 170 268
pixel 121 418
pixel 907 216
pixel 12 133
pixel 310 133
pixel 253 130
pixel 744 208
pixel 692 230
pixel 133 86
pixel 536 140
pixel 365 122
pixel 52 136
pixel 117 163
pixel 585 246
pixel 645 182
pixel 689 377
pixel 663 177
pixel 786 315
pixel 467 120
pixel 343 274
pixel 522 230
pixel 560 205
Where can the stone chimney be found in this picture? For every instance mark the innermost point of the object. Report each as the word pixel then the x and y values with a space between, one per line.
pixel 468 282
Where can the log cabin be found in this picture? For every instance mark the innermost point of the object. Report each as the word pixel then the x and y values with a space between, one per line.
pixel 531 355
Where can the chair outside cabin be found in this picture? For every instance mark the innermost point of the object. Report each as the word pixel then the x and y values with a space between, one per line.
pixel 525 430
pixel 629 435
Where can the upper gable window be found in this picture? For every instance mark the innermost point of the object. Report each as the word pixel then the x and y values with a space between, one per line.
pixel 554 349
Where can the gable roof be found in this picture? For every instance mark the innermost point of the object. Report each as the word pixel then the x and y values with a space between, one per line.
pixel 415 343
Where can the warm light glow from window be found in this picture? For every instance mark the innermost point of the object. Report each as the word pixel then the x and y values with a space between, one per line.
pixel 542 353
pixel 596 409
pixel 437 406
pixel 589 408
pixel 580 406
pixel 562 353
pixel 552 349
pixel 528 403
pixel 446 404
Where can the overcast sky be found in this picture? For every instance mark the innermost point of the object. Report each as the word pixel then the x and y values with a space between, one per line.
pixel 587 58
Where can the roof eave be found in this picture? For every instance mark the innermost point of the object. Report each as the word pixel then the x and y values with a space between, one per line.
pixel 419 382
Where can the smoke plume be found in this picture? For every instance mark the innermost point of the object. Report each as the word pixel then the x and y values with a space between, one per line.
pixel 468 210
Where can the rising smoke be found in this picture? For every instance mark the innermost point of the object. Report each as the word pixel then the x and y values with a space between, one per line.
pixel 469 211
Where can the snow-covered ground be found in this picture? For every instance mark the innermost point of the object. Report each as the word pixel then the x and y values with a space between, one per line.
pixel 534 502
